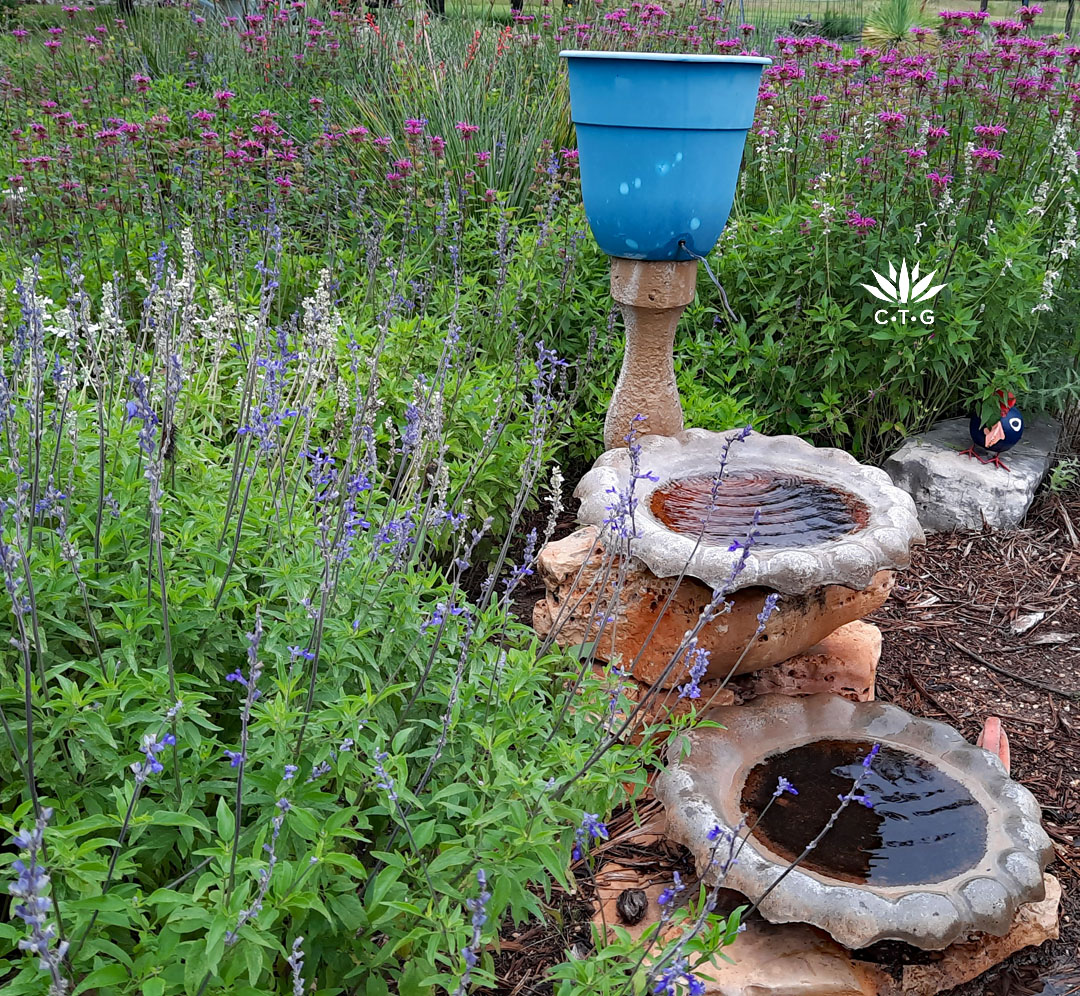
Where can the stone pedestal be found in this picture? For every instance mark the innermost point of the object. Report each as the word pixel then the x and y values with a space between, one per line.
pixel 651 296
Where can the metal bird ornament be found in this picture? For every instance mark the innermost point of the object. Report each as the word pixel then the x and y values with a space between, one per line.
pixel 997 438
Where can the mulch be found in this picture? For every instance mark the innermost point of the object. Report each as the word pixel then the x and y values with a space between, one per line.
pixel 986 624
pixel 982 624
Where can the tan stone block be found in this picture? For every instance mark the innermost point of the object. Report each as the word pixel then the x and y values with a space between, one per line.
pixel 845 663
pixel 786 960
pixel 651 615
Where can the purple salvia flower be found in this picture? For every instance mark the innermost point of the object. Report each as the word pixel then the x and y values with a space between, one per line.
pixel 590 829
pixel 782 786
pixel 477 906
pixel 32 904
pixel 296 964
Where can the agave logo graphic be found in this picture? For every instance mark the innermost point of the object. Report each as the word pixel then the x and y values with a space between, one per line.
pixel 903 290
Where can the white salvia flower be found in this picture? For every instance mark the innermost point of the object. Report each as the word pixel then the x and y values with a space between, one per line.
pixel 110 324
pixel 555 485
pixel 431 418
pixel 321 320
pixel 1049 280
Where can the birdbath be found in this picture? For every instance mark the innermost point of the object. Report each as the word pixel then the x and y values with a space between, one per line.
pixel 948 845
pixel 660 141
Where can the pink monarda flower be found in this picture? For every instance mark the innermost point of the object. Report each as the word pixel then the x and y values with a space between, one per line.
pixel 56 32
pixel 489 195
pixel 746 29
pixel 107 138
pixel 569 156
pixel 415 126
pixel 859 222
pixel 466 130
pixel 892 120
pixel 986 159
pixel 867 55
pixel 939 181
pixel 482 158
pixel 915 156
pixel 830 139
pixel 1026 14
pixel 70 11
pixel 20 34
pixel 382 142
pixel 142 83
pixel 935 135
pixel 52 44
pixel 203 116
pixel 358 134
pixel 394 179
pixel 224 98
pixel 283 182
pixel 818 100
pixel 438 145
pixel 990 133
pixel 316 102
pixel 209 136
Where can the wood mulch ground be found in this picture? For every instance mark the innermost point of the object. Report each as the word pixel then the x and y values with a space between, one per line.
pixel 981 624
pixel 988 624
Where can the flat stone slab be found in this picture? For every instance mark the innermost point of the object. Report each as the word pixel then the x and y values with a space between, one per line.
pixel 957 492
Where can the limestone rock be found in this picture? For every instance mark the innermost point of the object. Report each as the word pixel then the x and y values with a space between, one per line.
pixel 845 662
pixel 579 593
pixel 956 492
pixel 786 960
pixel 664 706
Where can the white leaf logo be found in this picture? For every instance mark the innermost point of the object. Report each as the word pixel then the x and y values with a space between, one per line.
pixel 904 287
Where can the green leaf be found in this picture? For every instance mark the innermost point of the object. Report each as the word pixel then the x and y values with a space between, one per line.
pixel 105 975
pixel 226 823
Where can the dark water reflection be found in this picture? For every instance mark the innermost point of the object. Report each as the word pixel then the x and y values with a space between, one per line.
pixel 924 825
pixel 795 511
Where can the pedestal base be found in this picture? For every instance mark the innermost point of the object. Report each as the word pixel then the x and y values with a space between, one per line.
pixel 651 296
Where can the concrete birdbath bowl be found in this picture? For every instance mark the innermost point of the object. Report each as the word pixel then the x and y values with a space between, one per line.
pixel 951 846
pixel 830 533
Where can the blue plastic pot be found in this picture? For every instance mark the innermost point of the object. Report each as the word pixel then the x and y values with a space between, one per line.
pixel 660 140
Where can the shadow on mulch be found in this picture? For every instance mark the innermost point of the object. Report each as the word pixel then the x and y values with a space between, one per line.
pixel 980 625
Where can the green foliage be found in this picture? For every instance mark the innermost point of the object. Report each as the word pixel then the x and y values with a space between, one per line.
pixel 891 21
pixel 1064 476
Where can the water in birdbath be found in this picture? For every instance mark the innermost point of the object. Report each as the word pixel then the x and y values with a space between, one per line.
pixel 924 826
pixel 795 511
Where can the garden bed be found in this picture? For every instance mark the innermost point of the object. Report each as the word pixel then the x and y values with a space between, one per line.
pixel 963 590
